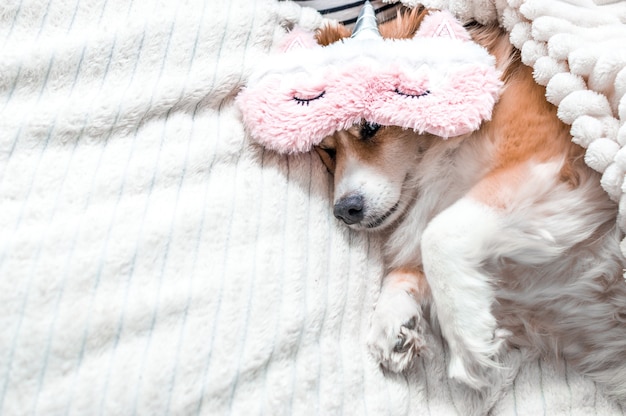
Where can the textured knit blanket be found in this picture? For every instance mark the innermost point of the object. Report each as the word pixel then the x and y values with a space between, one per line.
pixel 154 261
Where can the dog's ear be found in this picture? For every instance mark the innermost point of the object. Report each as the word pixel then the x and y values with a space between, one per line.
pixel 441 24
pixel 331 34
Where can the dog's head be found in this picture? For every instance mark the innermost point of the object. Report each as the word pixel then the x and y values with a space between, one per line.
pixel 370 104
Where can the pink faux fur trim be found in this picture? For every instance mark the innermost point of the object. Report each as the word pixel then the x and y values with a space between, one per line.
pixel 287 117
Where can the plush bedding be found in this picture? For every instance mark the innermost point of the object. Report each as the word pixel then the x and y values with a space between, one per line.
pixel 154 261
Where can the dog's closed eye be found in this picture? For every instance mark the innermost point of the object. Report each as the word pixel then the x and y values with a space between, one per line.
pixel 331 153
pixel 328 156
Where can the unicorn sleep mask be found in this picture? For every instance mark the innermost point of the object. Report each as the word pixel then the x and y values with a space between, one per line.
pixel 438 82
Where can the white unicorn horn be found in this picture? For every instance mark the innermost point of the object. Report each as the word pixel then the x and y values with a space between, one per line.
pixel 366 26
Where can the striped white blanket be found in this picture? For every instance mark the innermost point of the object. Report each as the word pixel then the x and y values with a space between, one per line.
pixel 153 261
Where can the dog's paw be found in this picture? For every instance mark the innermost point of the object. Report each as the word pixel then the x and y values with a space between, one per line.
pixel 397 332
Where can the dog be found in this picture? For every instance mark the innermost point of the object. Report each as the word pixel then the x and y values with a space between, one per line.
pixel 500 238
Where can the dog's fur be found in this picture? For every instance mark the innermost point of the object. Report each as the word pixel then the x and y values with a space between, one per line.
pixel 505 232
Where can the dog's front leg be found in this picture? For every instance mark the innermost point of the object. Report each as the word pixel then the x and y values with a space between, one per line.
pixel 455 246
pixel 398 327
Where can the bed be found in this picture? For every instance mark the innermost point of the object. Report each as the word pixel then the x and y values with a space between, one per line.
pixel 155 261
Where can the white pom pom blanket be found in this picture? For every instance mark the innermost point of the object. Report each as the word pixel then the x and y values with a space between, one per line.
pixel 154 261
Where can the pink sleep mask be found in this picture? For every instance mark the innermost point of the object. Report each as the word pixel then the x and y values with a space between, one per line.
pixel 439 82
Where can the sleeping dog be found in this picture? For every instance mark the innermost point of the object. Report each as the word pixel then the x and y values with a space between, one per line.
pixel 496 231
pixel 504 231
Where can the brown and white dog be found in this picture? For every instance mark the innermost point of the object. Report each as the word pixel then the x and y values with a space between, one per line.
pixel 504 234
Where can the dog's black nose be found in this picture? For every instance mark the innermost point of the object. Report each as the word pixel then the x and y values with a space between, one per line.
pixel 350 209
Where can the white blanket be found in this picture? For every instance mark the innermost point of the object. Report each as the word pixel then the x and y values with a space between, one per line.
pixel 154 261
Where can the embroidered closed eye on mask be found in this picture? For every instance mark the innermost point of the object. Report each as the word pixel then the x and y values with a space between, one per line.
pixel 438 82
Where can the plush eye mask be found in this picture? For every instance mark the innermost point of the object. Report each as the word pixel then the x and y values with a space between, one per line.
pixel 438 82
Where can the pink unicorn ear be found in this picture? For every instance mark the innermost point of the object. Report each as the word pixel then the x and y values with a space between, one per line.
pixel 442 24
pixel 297 38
